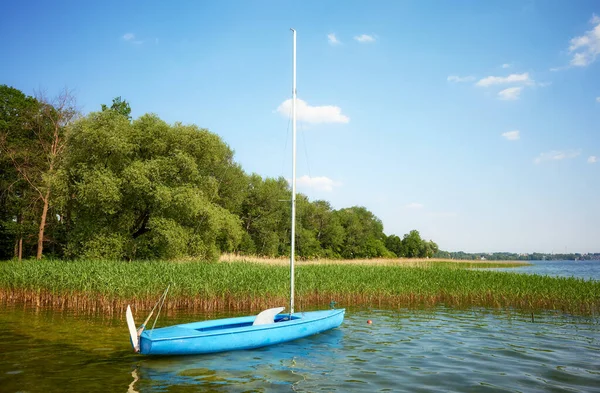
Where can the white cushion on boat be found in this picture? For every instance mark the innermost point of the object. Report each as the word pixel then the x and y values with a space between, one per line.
pixel 267 316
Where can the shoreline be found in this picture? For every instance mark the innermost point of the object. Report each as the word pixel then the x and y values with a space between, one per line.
pixel 418 262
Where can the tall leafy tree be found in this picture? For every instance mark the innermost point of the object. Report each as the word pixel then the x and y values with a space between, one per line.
pixel 364 237
pixel 321 234
pixel 307 244
pixel 146 189
pixel 329 231
pixel 431 249
pixel 18 146
pixel 32 140
pixel 54 117
pixel 413 245
pixel 394 244
pixel 265 214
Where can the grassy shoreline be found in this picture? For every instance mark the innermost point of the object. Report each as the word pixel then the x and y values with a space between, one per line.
pixel 108 286
pixel 417 262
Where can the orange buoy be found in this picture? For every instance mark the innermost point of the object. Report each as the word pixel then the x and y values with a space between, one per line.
pixel 369 321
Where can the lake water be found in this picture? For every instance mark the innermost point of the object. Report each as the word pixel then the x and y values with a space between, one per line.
pixel 435 350
pixel 580 269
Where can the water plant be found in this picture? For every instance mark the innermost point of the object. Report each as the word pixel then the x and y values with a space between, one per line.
pixel 107 286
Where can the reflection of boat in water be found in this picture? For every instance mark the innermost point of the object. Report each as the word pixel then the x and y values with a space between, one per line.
pixel 267 368
pixel 267 328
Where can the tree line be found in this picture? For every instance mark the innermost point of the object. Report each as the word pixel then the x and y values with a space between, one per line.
pixel 106 186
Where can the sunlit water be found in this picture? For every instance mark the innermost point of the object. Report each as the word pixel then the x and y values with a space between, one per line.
pixel 578 269
pixel 403 350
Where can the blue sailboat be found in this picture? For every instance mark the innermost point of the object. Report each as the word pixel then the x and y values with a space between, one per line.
pixel 269 327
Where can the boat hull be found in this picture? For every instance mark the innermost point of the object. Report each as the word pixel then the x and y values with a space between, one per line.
pixel 235 333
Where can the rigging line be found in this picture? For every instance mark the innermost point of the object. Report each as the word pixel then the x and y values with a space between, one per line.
pixel 154 308
pixel 162 301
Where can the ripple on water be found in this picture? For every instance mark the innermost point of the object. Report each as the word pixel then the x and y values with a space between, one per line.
pixel 403 350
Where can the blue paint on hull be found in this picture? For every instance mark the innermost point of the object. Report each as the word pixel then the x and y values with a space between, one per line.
pixel 235 333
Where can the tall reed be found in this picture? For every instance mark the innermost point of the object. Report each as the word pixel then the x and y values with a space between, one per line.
pixel 108 286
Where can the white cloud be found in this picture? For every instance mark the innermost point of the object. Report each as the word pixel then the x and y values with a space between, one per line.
pixel 319 183
pixel 364 38
pixel 510 94
pixel 333 39
pixel 557 155
pixel 498 80
pixel 592 159
pixel 512 135
pixel 313 114
pixel 580 60
pixel 506 65
pixel 586 48
pixel 597 99
pixel 414 205
pixel 130 37
pixel 458 79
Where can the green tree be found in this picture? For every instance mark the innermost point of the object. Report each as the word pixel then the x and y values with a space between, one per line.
pixel 265 215
pixel 329 232
pixel 394 244
pixel 146 190
pixel 363 234
pixel 17 196
pixel 54 117
pixel 307 245
pixel 32 140
pixel 431 249
pixel 120 106
pixel 412 244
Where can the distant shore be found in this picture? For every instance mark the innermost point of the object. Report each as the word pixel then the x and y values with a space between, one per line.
pixel 417 262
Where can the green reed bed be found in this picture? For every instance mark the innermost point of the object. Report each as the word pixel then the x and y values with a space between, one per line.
pixel 109 286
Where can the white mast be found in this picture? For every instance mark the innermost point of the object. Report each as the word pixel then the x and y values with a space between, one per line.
pixel 293 175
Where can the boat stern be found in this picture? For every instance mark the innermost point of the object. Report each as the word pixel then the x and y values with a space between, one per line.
pixel 145 347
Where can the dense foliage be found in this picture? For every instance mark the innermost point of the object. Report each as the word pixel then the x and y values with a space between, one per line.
pixel 107 186
pixel 32 140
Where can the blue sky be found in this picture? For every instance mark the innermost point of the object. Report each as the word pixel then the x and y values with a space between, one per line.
pixel 475 122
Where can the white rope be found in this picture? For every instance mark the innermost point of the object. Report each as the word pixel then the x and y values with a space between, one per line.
pixel 162 301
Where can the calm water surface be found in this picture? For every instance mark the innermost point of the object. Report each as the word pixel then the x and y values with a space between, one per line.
pixel 579 269
pixel 403 350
